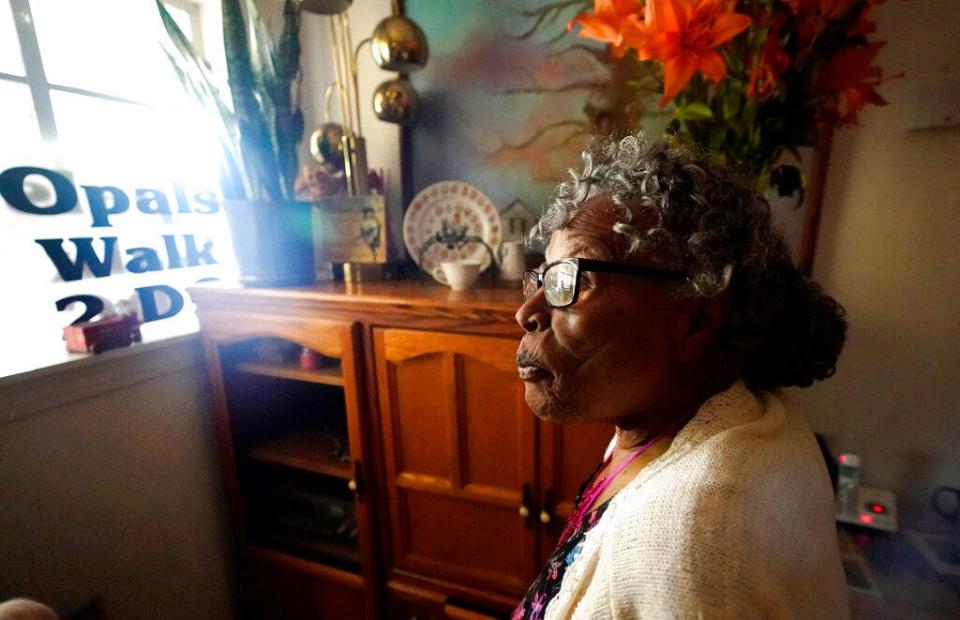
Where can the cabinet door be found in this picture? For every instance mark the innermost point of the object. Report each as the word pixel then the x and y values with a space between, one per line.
pixel 569 454
pixel 277 587
pixel 293 443
pixel 459 442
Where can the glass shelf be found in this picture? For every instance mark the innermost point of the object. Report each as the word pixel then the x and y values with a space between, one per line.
pixel 331 375
pixel 309 517
pixel 314 451
pixel 316 550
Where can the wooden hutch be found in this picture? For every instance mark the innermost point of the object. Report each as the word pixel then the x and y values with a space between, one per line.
pixel 396 472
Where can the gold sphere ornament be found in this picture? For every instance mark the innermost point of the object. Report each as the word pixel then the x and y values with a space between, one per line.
pixel 325 7
pixel 326 145
pixel 398 44
pixel 395 101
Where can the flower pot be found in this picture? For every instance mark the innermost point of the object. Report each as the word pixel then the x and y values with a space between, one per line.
pixel 273 242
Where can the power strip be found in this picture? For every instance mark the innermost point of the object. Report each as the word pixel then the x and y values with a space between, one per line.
pixel 876 508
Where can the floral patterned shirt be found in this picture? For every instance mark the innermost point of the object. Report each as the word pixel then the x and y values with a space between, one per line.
pixel 547 583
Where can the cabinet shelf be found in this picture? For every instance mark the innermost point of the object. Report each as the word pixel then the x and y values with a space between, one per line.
pixel 309 566
pixel 335 551
pixel 307 450
pixel 331 375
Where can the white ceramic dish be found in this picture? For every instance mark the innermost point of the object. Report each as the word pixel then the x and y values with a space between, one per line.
pixel 461 207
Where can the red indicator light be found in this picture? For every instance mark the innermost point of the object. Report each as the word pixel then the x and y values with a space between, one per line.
pixel 866 519
pixel 843 458
pixel 878 508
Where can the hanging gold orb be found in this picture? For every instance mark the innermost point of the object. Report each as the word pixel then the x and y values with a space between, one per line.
pixel 326 145
pixel 395 101
pixel 325 7
pixel 398 44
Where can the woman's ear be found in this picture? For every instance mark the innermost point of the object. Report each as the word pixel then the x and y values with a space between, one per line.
pixel 702 320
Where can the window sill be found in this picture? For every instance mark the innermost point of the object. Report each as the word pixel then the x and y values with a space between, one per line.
pixel 75 377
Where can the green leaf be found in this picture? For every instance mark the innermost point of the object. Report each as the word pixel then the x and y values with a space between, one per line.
pixel 717 135
pixel 256 145
pixel 731 103
pixel 694 112
pixel 288 119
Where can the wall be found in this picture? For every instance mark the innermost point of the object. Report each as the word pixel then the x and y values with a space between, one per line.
pixel 888 250
pixel 110 485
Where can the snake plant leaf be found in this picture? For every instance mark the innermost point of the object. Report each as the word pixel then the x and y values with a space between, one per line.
pixel 256 146
pixel 288 118
pixel 264 73
pixel 276 69
pixel 196 80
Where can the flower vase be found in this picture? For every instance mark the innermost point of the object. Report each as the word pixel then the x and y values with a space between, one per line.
pixel 273 242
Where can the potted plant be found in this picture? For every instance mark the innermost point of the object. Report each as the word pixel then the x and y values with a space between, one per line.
pixel 258 137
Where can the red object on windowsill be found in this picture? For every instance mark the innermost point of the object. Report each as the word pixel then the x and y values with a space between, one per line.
pixel 110 332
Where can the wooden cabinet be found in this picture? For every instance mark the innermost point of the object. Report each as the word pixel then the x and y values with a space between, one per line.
pixel 413 432
pixel 292 442
pixel 506 480
pixel 459 447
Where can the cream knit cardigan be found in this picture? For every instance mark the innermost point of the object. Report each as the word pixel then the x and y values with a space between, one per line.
pixel 734 520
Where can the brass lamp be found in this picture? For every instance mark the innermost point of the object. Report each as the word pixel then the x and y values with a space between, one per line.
pixel 395 101
pixel 397 44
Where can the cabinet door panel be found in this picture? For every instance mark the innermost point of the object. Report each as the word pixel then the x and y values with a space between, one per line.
pixel 486 420
pixel 459 447
pixel 275 591
pixel 422 415
pixel 451 535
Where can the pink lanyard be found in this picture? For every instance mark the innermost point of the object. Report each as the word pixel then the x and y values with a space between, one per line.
pixel 591 494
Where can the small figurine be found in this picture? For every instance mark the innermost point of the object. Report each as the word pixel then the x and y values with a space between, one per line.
pixel 110 332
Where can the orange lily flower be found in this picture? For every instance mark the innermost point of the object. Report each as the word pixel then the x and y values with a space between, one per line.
pixel 771 63
pixel 864 25
pixel 606 23
pixel 684 33
pixel 828 9
pixel 850 80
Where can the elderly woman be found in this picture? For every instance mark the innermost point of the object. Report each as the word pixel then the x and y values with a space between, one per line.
pixel 668 307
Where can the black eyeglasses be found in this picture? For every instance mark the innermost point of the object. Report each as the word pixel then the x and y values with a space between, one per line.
pixel 560 279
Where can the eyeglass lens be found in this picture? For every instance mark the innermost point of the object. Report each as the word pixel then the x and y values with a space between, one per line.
pixel 530 284
pixel 560 283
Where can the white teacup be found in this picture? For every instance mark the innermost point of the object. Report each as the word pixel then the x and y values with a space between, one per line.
pixel 460 274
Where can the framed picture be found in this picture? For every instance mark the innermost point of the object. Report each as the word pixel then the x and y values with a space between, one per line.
pixel 350 229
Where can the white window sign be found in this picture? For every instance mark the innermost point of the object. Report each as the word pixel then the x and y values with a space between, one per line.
pixel 108 177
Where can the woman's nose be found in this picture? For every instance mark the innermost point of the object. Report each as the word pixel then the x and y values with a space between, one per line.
pixel 534 314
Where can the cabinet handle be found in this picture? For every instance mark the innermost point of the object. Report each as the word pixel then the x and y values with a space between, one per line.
pixel 354 483
pixel 524 510
pixel 546 515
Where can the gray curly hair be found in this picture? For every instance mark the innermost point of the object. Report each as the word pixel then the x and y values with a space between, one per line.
pixel 691 213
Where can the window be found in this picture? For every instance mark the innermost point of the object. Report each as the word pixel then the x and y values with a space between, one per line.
pixel 121 202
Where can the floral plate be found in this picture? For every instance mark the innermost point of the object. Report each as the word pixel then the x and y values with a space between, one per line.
pixel 451 209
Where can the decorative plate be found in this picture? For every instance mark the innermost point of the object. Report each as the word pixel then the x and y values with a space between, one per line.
pixel 452 211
